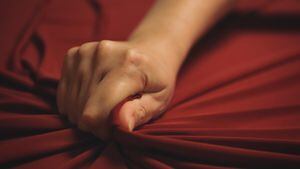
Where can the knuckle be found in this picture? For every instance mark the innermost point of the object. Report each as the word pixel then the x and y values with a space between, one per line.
pixel 136 76
pixel 72 51
pixel 104 45
pixel 133 57
pixel 85 48
pixel 132 67
pixel 88 45
pixel 70 56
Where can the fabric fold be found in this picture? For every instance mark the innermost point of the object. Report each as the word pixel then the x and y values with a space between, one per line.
pixel 236 103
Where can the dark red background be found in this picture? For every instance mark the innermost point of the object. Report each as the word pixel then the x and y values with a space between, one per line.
pixel 237 100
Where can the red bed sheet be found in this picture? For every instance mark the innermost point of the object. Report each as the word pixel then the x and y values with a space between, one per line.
pixel 236 104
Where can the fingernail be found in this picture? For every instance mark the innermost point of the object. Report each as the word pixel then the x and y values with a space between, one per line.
pixel 130 124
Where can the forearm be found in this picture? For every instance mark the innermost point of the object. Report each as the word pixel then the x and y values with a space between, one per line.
pixel 172 26
pixel 98 76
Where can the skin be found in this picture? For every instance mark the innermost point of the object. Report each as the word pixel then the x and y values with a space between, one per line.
pixel 131 82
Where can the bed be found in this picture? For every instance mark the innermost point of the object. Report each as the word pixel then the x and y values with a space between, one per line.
pixel 236 104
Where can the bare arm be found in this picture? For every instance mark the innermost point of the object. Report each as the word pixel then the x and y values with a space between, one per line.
pixel 97 76
pixel 176 24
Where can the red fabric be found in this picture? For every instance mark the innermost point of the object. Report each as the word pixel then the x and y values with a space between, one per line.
pixel 237 100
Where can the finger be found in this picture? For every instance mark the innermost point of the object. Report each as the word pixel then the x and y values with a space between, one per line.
pixel 60 96
pixel 69 93
pixel 114 88
pixel 97 73
pixel 98 66
pixel 61 88
pixel 83 75
pixel 139 111
pixel 64 81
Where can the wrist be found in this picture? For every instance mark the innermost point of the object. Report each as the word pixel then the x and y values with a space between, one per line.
pixel 162 48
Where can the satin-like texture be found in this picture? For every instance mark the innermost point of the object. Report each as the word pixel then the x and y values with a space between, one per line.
pixel 236 104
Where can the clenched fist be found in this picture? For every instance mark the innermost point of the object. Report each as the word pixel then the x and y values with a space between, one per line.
pixel 99 76
pixel 137 76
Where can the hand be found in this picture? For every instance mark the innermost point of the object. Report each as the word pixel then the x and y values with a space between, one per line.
pixel 98 76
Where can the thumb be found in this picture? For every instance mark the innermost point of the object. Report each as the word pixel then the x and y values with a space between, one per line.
pixel 132 113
